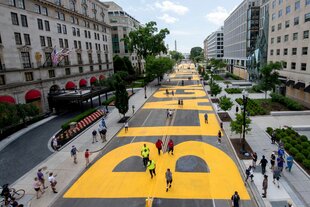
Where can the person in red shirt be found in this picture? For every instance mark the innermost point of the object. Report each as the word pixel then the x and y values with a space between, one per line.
pixel 87 154
pixel 170 146
pixel 159 145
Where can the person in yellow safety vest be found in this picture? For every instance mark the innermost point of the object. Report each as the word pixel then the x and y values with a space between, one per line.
pixel 151 166
pixel 145 147
pixel 145 157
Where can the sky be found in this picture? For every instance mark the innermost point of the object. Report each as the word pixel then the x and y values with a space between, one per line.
pixel 189 21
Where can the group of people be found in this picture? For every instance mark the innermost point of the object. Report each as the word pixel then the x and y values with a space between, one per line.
pixel 9 200
pixel 151 165
pixel 39 183
pixel 167 92
pixel 102 129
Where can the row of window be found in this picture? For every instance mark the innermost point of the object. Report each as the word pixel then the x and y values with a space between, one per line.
pixel 48 40
pixel 297 3
pixel 294 37
pixel 304 51
pixel 303 66
pixel 18 39
pixel 306 18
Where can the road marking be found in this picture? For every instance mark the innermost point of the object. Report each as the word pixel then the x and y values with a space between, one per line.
pixel 142 124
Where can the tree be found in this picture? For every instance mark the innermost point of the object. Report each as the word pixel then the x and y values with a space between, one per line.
pixel 157 67
pixel 128 64
pixel 236 126
pixel 177 56
pixel 270 77
pixel 119 64
pixel 215 89
pixel 225 103
pixel 121 95
pixel 146 41
pixel 196 54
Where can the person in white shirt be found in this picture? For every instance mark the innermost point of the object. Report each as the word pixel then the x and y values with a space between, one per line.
pixel 53 182
pixel 126 126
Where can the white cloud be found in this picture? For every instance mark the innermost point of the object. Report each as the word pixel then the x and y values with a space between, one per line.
pixel 167 6
pixel 168 19
pixel 217 16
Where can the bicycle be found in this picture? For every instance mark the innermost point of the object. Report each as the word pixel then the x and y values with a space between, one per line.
pixel 17 194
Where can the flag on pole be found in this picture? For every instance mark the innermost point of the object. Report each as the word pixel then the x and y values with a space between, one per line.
pixel 54 56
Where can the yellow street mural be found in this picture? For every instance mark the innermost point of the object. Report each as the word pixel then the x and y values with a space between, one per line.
pixel 188 94
pixel 188 104
pixel 101 182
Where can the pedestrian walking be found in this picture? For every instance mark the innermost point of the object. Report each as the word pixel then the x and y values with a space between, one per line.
pixel 276 176
pixel 103 123
pixel 145 147
pixel 237 109
pixel 94 133
pixel 170 146
pixel 249 173
pixel 53 182
pixel 145 157
pixel 159 145
pixel 280 163
pixel 87 155
pixel 263 163
pixel 265 186
pixel 126 127
pixel 182 102
pixel 102 132
pixel 151 165
pixel 55 144
pixel 172 92
pixel 74 154
pixel 219 137
pixel 167 92
pixel 273 137
pixel 272 161
pixel 133 109
pixel 41 178
pixel 206 118
pixel 289 163
pixel 179 101
pixel 254 159
pixel 168 113
pixel 168 179
pixel 281 152
pixel 37 187
pixel 235 199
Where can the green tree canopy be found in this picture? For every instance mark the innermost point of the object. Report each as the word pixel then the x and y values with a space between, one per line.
pixel 196 54
pixel 177 56
pixel 215 88
pixel 119 64
pixel 157 67
pixel 128 64
pixel 236 126
pixel 217 63
pixel 225 103
pixel 270 77
pixel 146 41
pixel 121 95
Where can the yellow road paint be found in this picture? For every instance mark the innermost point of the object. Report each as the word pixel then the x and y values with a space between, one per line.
pixel 187 87
pixel 189 104
pixel 210 129
pixel 192 94
pixel 220 183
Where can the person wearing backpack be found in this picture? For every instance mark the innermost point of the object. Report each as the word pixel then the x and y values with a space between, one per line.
pixel 249 173
pixel 73 154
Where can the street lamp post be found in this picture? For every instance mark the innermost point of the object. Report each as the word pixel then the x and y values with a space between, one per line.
pixel 245 101
pixel 145 92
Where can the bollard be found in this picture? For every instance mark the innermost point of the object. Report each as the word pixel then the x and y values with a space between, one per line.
pixel 148 202
pixel 221 124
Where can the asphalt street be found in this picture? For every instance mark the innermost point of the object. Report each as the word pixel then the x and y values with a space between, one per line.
pixel 118 177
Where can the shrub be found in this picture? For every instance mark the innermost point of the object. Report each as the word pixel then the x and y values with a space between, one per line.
pixel 305 145
pixel 233 90
pixel 303 138
pixel 227 82
pixel 306 163
pixel 294 142
pixel 305 152
pixel 293 151
pixel 300 157
pixel 253 107
pixel 217 77
pixel 289 103
pixel 206 77
pixel 108 101
pixel 269 130
pixel 298 147
pixel 78 118
pixel 287 146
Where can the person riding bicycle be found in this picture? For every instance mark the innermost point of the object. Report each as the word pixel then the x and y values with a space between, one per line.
pixel 6 193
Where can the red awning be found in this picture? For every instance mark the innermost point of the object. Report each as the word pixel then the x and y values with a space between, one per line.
pixel 83 82
pixel 70 85
pixel 93 80
pixel 101 77
pixel 32 95
pixel 7 99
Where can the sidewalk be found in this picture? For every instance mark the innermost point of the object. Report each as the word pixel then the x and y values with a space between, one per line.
pixel 61 163
pixel 295 185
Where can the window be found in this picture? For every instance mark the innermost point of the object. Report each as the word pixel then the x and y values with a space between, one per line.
pixel 40 24
pixel 2 80
pixel 307 2
pixel 49 42
pixel 80 45
pixel 278 39
pixel 304 51
pixel 47 25
pixel 297 5
pixel 100 67
pixel 279 26
pixel 84 10
pixel 24 20
pixel 14 18
pixel 294 51
pixel 26 59
pixel 295 36
pixel 90 46
pixel 278 51
pixel 296 20
pixel 272 28
pixel 79 58
pixel 284 64
pixel 51 73
pixel 303 66
pixel 19 3
pixel 287 24
pixel 44 11
pixel 27 39
pixel 85 33
pixel 272 40
pixel 59 28
pixel 271 52
pixel 307 17
pixel 64 29
pixel 29 76
pixel 66 43
pixel 42 41
pixel 58 2
pixel 280 13
pixel 72 5
pixel 89 35
pixel 90 58
pixel 61 43
pixel 67 71
pixel 286 38
pixel 306 34
pixel 285 51
pixel 73 31
pixel 280 2
pixel 288 9
pixel 273 4
pixel 293 66
pixel 86 45
pixel 78 32
pixel 91 68
pixel 80 69
pixel 37 9
pixel 75 44
pixel 18 39
pixel 273 16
